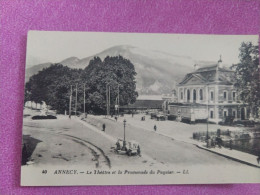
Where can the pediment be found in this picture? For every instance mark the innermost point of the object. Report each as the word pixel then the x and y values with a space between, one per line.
pixel 194 79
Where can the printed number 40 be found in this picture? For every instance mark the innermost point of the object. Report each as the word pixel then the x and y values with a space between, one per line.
pixel 44 171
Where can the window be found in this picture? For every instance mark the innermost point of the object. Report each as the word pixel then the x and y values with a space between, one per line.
pixel 225 95
pixel 211 96
pixel 211 114
pixel 201 94
pixel 234 113
pixel 194 95
pixel 225 114
pixel 188 95
pixel 234 95
pixel 181 95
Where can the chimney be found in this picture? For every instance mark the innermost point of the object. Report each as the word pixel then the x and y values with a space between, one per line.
pixel 196 66
pixel 220 62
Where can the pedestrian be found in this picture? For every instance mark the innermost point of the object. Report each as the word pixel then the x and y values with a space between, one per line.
pixel 138 150
pixel 132 114
pixel 155 127
pixel 230 144
pixel 212 143
pixel 258 158
pixel 104 127
pixel 218 132
pixel 116 118
pixel 118 145
pixel 228 132
pixel 219 141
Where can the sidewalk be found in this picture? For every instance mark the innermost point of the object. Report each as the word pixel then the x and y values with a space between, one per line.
pixel 236 155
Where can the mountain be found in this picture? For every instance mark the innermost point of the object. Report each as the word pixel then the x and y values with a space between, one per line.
pixel 35 69
pixel 156 71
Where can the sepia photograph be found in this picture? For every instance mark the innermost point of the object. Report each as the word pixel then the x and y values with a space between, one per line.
pixel 140 108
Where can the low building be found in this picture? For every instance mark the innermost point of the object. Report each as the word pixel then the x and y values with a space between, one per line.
pixel 143 105
pixel 208 92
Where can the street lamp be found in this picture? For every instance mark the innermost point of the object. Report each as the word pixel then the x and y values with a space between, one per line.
pixel 124 142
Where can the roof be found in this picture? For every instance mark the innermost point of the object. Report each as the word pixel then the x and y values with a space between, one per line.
pixel 145 104
pixel 207 75
pixel 149 97
pixel 192 104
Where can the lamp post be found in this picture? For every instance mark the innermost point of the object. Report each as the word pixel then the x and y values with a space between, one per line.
pixel 124 142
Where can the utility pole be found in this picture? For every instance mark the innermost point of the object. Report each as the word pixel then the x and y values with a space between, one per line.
pixel 109 100
pixel 118 99
pixel 124 142
pixel 84 101
pixel 207 136
pixel 70 101
pixel 76 100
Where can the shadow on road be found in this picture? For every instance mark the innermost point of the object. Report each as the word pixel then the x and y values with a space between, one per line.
pixel 29 145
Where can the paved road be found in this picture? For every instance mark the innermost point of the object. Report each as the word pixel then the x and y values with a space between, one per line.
pixel 76 138
pixel 161 148
pixel 65 141
pixel 70 142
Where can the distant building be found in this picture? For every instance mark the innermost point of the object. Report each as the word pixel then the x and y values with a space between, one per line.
pixel 142 105
pixel 208 92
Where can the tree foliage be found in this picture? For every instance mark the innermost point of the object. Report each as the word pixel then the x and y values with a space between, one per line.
pixel 116 72
pixel 52 84
pixel 247 75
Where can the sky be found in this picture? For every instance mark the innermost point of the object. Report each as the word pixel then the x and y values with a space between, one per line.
pixel 51 46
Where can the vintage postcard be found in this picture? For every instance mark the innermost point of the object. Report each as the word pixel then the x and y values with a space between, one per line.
pixel 138 109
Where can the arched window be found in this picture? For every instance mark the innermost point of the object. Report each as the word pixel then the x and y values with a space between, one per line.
pixel 194 95
pixel 188 95
pixel 201 94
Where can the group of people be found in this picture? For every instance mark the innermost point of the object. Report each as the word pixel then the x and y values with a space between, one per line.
pixel 217 141
pixel 212 143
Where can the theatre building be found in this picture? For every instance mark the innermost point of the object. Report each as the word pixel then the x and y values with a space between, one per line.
pixel 208 92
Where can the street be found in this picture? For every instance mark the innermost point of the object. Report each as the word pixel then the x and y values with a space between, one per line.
pixel 69 141
pixel 65 142
pixel 161 148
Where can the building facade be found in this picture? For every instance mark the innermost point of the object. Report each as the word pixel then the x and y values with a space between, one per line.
pixel 208 92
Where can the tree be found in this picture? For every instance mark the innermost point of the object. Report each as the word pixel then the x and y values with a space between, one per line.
pixel 116 72
pixel 52 85
pixel 247 76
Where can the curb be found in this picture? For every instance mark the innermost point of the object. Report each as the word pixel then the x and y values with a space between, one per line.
pixel 229 157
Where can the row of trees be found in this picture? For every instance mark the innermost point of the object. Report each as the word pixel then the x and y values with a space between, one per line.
pixel 248 76
pixel 53 84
